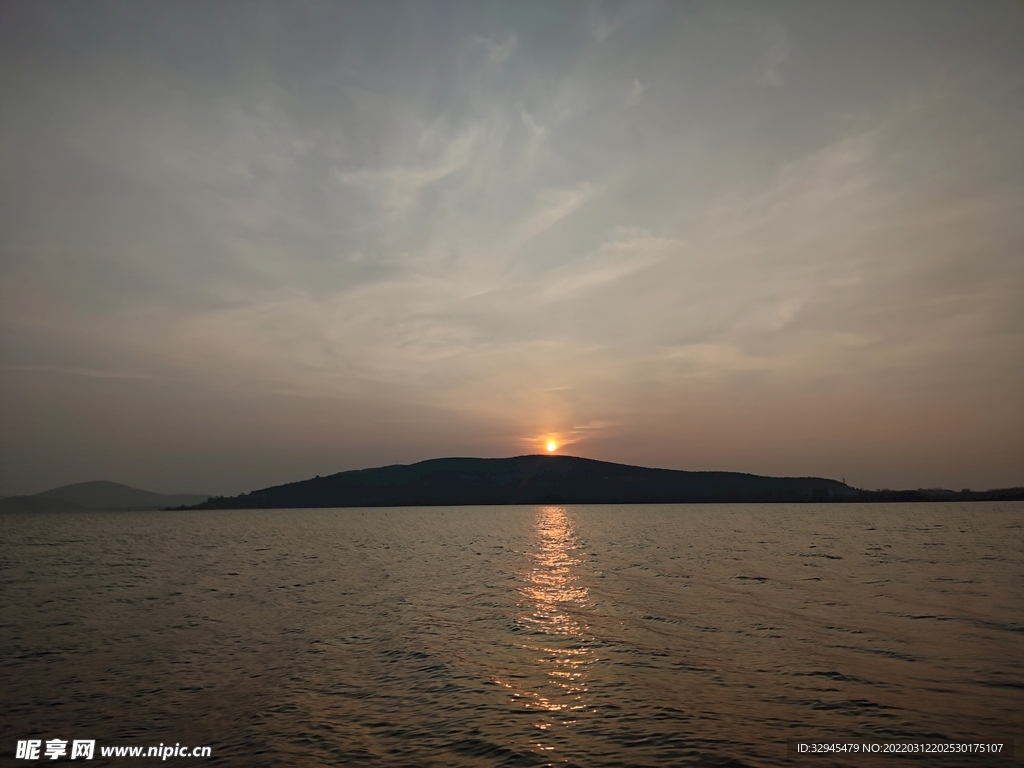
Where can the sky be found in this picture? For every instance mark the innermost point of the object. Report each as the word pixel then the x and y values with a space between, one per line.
pixel 247 243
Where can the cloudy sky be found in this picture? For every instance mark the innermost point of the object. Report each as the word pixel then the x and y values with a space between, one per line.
pixel 246 243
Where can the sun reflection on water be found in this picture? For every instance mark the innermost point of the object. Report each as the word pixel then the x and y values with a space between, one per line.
pixel 551 597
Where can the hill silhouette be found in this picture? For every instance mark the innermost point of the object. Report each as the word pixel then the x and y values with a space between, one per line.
pixel 529 480
pixel 97 495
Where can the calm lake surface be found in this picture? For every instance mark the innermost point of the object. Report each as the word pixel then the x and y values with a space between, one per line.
pixel 515 636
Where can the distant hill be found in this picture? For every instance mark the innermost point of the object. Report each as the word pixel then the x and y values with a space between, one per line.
pixel 530 480
pixel 97 495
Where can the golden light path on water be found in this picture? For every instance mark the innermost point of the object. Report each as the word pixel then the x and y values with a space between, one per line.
pixel 550 596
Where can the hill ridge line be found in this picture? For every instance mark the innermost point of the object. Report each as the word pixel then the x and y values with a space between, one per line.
pixel 561 479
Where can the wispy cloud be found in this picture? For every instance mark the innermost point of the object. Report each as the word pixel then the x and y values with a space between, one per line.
pixel 670 220
pixel 778 51
pixel 553 205
pixel 395 188
pixel 499 53
pixel 636 93
pixel 628 251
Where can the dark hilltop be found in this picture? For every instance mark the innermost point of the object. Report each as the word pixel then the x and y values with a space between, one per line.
pixel 557 480
pixel 98 495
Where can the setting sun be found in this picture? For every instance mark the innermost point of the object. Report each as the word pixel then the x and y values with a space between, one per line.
pixel 551 446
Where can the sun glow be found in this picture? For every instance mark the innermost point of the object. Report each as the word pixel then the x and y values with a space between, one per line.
pixel 552 446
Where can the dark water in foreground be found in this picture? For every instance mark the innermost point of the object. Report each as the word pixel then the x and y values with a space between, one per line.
pixel 519 636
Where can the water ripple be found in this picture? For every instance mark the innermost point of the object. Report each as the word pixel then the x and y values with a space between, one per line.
pixel 513 636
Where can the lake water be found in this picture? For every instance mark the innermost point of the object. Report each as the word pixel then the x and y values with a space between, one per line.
pixel 516 636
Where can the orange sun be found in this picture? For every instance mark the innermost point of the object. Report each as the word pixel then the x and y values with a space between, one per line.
pixel 552 446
